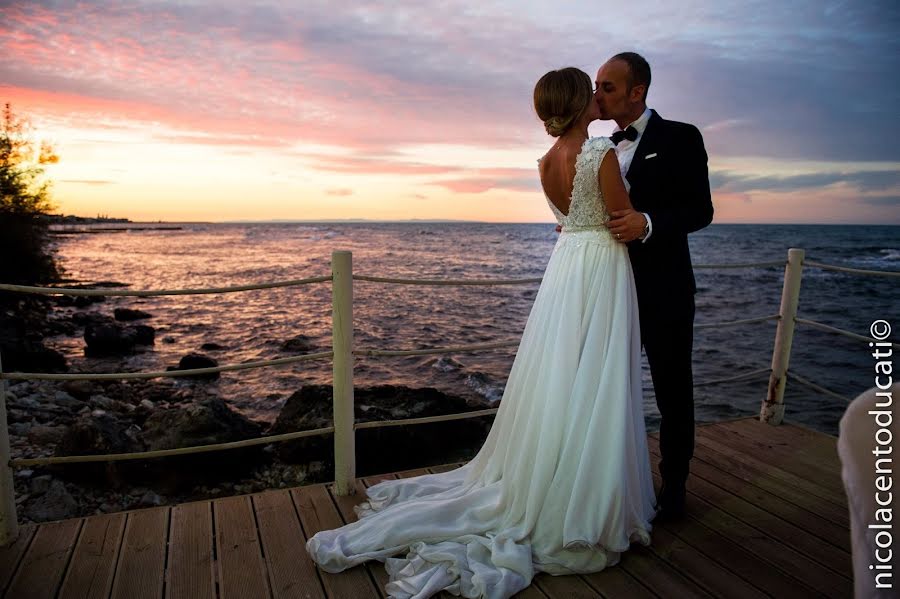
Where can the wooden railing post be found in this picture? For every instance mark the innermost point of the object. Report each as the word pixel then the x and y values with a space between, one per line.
pixel 772 410
pixel 9 525
pixel 342 344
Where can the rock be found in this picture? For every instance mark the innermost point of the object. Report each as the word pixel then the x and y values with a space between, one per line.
pixel 63 399
pixel 193 360
pixel 147 404
pixel 78 389
pixel 40 484
pixel 90 318
pixel 212 347
pixel 385 449
pixel 92 435
pixel 143 334
pixel 150 499
pixel 300 343
pixel 111 338
pixel 24 324
pixel 27 403
pixel 103 402
pixel 169 339
pixel 205 422
pixel 126 314
pixel 45 436
pixel 55 504
pixel 19 429
pixel 82 301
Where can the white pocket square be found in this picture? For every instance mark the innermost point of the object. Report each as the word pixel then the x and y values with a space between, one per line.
pixel 653 155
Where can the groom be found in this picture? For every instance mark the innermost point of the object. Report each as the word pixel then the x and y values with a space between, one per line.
pixel 665 165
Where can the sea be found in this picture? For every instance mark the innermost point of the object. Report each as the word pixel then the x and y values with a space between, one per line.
pixel 254 325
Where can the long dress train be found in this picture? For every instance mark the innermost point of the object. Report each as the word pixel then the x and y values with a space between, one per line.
pixel 562 483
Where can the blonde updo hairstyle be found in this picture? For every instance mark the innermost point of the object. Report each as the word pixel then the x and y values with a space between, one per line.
pixel 560 97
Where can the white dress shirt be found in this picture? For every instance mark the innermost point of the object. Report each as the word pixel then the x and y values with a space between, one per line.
pixel 625 152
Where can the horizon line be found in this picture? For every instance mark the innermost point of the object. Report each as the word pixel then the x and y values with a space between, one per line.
pixel 423 221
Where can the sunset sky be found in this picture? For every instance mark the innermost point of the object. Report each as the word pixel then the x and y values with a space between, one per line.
pixel 217 111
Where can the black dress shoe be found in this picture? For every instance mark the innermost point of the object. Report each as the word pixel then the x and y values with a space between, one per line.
pixel 670 503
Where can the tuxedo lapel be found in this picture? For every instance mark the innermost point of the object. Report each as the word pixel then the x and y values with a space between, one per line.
pixel 647 145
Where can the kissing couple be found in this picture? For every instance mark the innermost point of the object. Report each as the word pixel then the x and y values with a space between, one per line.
pixel 562 484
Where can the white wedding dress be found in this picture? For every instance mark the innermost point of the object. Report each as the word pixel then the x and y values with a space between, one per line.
pixel 562 483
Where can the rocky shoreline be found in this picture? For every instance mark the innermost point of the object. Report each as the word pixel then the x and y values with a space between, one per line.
pixel 57 418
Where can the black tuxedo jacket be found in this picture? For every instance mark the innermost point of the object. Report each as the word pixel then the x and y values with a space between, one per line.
pixel 669 181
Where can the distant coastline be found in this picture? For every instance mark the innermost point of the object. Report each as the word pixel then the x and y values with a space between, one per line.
pixel 71 219
pixel 58 219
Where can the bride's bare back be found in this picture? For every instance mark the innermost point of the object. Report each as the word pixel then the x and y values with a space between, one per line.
pixel 557 172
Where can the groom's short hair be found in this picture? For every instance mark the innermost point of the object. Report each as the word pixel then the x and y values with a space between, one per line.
pixel 638 70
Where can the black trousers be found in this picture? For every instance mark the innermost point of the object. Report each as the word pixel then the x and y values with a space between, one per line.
pixel 667 336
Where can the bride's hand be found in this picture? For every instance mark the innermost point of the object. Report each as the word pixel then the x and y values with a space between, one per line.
pixel 558 228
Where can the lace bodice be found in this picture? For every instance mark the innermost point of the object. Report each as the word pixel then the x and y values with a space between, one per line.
pixel 586 206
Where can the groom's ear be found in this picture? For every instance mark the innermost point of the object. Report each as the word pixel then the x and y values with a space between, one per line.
pixel 636 94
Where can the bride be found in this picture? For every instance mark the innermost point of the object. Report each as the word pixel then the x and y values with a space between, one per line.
pixel 562 483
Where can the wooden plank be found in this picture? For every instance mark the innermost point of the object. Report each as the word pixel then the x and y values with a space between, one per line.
pixel 733 452
pixel 616 582
pixel 689 561
pixel 142 558
pixel 570 586
pixel 93 565
pixel 779 456
pixel 769 557
pixel 242 572
pixel 44 563
pixel 808 446
pixel 755 474
pixel 317 512
pixel 732 555
pixel 800 516
pixel 345 504
pixel 191 569
pixel 825 553
pixel 809 456
pixel 11 555
pixel 657 575
pixel 442 468
pixel 789 430
pixel 283 541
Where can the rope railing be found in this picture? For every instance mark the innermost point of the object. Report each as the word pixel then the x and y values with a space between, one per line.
pixel 824 327
pixel 168 373
pixel 742 264
pixel 163 453
pixel 153 292
pixel 398 281
pixel 342 353
pixel 816 387
pixel 729 323
pixel 745 375
pixel 436 350
pixel 855 271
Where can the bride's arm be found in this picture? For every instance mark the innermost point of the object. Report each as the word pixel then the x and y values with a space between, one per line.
pixel 611 185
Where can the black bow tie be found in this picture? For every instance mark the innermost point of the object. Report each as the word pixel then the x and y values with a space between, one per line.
pixel 630 133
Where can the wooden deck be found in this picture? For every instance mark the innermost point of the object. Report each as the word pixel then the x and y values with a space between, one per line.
pixel 767 516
